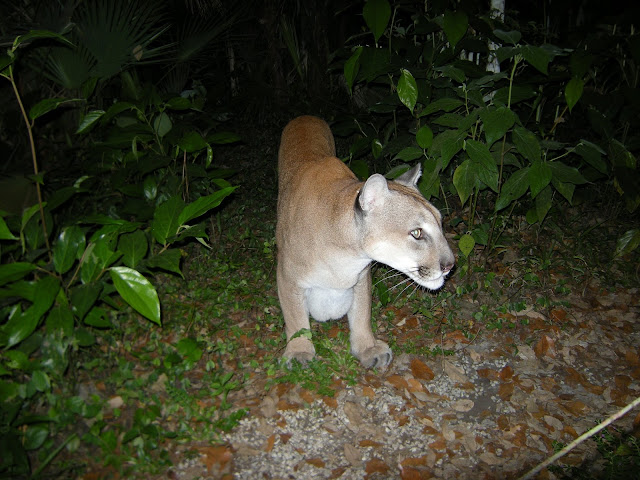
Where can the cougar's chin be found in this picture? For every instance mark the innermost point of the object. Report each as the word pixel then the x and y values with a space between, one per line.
pixel 431 283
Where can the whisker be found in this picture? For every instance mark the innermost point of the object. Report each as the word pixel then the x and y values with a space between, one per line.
pixel 390 274
pixel 403 290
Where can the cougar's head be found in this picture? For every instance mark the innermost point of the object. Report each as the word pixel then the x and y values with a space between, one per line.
pixel 400 228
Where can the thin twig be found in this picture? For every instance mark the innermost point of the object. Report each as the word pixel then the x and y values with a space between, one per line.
pixel 580 439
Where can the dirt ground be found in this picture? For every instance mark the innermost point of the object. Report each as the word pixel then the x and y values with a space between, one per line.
pixel 494 409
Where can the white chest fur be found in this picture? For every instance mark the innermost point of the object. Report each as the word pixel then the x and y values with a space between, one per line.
pixel 328 303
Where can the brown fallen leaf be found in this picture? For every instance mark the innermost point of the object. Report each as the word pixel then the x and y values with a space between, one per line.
pixel 307 396
pixel 411 473
pixel 375 465
pixel 463 405
pixel 330 402
pixel 545 346
pixel 455 374
pixel 506 373
pixel 352 454
pixel 505 390
pixel 316 462
pixel 488 373
pixel 368 392
pixel 415 385
pixel 414 461
pixel 370 443
pixel 353 413
pixel 270 443
pixel 421 370
pixel 337 473
pixel 397 381
pixel 218 456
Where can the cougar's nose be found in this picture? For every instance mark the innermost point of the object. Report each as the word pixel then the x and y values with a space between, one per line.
pixel 446 267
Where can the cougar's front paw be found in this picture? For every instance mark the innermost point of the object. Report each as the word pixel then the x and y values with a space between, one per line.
pixel 300 349
pixel 378 356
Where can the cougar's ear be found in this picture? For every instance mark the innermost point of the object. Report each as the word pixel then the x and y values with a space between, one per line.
pixel 373 193
pixel 410 177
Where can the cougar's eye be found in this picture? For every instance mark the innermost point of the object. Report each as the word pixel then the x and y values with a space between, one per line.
pixel 416 233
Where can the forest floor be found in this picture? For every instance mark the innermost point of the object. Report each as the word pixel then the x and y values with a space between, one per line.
pixel 519 353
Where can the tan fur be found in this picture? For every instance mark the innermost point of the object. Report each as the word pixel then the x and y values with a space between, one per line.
pixel 332 226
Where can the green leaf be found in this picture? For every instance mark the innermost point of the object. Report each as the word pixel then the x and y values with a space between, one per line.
pixel 446 104
pixel 89 120
pixel 430 180
pixel 565 173
pixel 455 25
pixel 409 154
pixel 452 120
pixel 178 103
pixel 209 157
pixel 17 360
pixel 165 219
pixel 513 188
pixel 464 179
pixel 203 204
pixel 573 91
pixel 5 233
pixel 117 108
pixel 487 169
pixel 137 291
pixel 407 89
pixel 60 318
pixel 192 142
pixel 466 244
pixel 150 188
pixel 396 171
pixel 376 15
pixel 452 72
pixel 96 259
pixel 83 297
pixel 68 248
pixel 424 137
pixel 536 56
pixel 48 104
pixel 565 189
pixel 543 202
pixel 97 317
pixel 35 34
pixel 628 242
pixel 134 247
pixel 162 124
pixel 496 122
pixel 527 144
pixel 40 381
pixel 592 154
pixel 189 348
pixel 512 37
pixel 168 260
pixel 84 337
pixel 351 67
pixel 360 168
pixel 35 435
pixel 6 61
pixel 21 326
pixel 447 144
pixel 376 148
pixel 223 138
pixel 539 177
pixel 11 272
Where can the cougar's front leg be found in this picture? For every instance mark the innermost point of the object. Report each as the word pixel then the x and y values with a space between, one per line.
pixel 296 318
pixel 364 345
